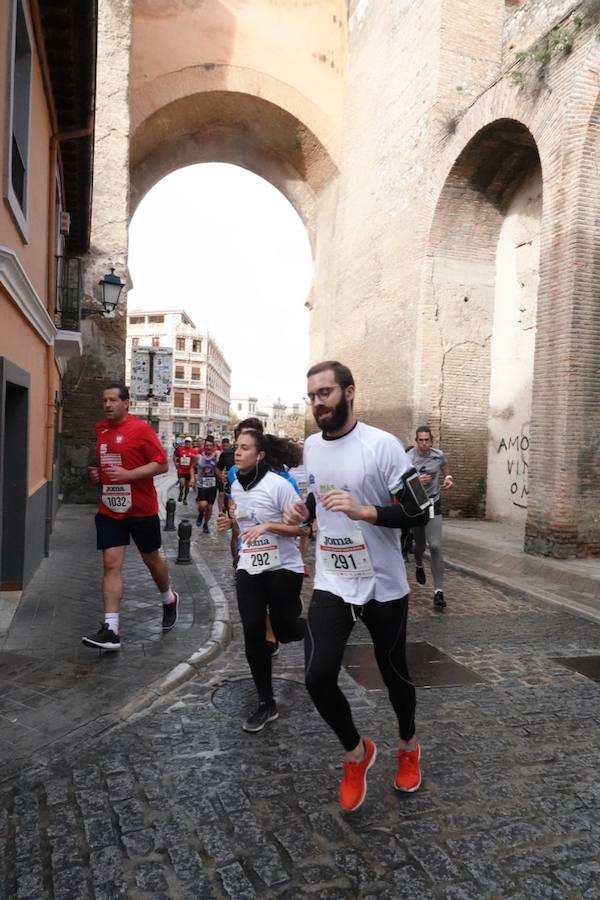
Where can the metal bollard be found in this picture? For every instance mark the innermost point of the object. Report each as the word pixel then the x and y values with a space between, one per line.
pixel 171 507
pixel 185 538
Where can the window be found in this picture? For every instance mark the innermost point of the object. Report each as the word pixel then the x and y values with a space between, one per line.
pixel 178 427
pixel 137 320
pixel 157 320
pixel 195 374
pixel 135 342
pixel 239 407
pixel 195 400
pixel 19 111
pixel 156 342
pixel 179 372
pixel 180 343
pixel 194 429
pixel 178 400
pixel 197 346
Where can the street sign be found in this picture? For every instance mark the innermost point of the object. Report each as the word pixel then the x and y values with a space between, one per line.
pixel 151 373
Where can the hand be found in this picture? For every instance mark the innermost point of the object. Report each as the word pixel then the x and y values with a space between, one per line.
pixel 224 523
pixel 424 478
pixel 342 501
pixel 117 474
pixel 252 534
pixel 295 514
pixel 448 482
pixel 94 474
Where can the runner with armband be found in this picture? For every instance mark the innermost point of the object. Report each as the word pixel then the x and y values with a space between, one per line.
pixel 354 472
pixel 270 570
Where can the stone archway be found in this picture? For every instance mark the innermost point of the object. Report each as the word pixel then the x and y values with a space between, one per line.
pixel 182 82
pixel 468 297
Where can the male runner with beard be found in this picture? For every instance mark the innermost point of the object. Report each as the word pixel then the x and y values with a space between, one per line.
pixel 354 471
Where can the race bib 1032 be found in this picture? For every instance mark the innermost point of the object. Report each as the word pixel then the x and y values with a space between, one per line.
pixel 117 497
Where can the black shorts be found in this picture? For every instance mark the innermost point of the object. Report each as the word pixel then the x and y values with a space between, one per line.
pixel 185 475
pixel 145 531
pixel 208 494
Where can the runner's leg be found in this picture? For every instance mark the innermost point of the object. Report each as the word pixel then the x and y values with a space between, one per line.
pixel 112 579
pixel 434 540
pixel 252 605
pixel 419 539
pixel 328 627
pixel 387 625
pixel 285 605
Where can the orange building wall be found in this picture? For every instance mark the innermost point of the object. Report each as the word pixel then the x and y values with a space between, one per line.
pixel 21 346
pixel 33 253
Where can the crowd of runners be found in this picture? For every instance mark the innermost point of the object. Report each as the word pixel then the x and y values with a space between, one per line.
pixel 352 487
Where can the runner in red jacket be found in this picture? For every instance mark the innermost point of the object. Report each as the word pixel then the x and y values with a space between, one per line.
pixel 184 458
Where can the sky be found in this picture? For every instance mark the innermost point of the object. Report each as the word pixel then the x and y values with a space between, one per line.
pixel 228 248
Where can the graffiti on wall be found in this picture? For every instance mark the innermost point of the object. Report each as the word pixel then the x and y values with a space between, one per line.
pixel 515 449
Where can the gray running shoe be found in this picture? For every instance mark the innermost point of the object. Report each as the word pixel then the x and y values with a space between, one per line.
pixel 266 712
pixel 438 600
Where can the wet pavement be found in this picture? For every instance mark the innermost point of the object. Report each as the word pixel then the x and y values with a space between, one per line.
pixel 179 802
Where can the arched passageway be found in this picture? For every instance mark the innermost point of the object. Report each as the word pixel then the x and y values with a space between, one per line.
pixel 481 300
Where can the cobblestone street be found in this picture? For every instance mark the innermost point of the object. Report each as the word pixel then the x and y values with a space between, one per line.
pixel 181 803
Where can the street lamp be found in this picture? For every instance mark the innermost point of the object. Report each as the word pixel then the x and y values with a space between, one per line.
pixel 111 290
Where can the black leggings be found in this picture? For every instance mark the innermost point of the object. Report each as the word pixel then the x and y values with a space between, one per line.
pixel 330 622
pixel 278 593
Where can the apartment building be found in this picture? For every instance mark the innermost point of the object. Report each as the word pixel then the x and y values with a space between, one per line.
pixel 199 402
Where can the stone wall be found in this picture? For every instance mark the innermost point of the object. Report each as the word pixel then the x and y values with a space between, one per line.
pixel 444 122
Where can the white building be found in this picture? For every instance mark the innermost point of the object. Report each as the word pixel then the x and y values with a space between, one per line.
pixel 201 376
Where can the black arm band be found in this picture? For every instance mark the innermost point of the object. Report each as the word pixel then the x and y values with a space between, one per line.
pixel 392 517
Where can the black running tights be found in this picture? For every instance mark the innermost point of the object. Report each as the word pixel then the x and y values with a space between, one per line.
pixel 329 624
pixel 276 593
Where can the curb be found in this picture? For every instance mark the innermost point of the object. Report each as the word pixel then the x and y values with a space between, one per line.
pixel 218 639
pixel 540 596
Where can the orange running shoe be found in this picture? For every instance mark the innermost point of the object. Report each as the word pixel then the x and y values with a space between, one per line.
pixel 408 774
pixel 353 786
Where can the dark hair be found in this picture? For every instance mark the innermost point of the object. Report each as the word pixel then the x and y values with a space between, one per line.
pixel 121 388
pixel 252 424
pixel 210 438
pixel 342 374
pixel 225 441
pixel 424 428
pixel 279 452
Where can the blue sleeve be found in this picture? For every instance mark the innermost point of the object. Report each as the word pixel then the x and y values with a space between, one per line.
pixel 289 478
pixel 231 474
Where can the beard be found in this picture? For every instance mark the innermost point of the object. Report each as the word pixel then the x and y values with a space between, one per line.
pixel 339 414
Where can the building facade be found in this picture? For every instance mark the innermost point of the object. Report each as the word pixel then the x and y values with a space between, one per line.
pixel 47 92
pixel 443 157
pixel 201 375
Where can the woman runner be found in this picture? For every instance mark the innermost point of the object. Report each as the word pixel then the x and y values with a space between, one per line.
pixel 270 569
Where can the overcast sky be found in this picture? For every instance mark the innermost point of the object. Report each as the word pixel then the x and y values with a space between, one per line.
pixel 228 248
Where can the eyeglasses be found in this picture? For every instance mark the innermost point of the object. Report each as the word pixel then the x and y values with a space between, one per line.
pixel 321 394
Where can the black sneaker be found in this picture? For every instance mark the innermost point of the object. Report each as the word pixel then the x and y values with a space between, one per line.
pixel 273 647
pixel 179 499
pixel 438 600
pixel 266 712
pixel 184 501
pixel 199 521
pixel 170 613
pixel 205 529
pixel 105 639
pixel 420 575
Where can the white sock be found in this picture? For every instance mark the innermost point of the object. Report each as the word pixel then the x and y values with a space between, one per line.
pixel 112 620
pixel 167 597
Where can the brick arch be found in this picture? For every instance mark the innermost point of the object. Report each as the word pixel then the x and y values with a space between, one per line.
pixel 238 128
pixel 459 297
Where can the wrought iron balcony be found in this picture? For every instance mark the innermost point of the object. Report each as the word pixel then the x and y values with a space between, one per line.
pixel 67 312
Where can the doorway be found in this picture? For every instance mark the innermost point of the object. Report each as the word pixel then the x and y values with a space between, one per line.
pixel 14 425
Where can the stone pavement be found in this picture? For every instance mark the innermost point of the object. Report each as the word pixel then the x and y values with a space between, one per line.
pixel 494 551
pixel 179 803
pixel 53 686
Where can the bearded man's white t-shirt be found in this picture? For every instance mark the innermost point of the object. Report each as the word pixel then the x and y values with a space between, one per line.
pixel 369 464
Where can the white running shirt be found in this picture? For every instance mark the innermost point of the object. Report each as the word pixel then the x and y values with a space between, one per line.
pixel 265 503
pixel 369 464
